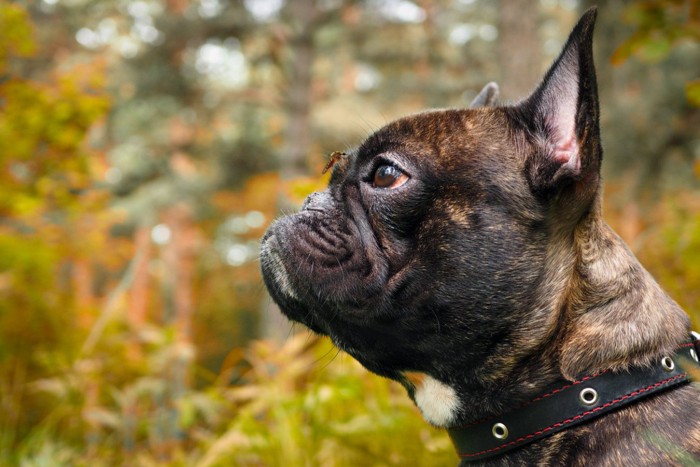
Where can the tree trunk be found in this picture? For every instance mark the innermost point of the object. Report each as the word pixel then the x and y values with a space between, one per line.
pixel 138 299
pixel 519 48
pixel 179 256
pixel 179 260
pixel 297 133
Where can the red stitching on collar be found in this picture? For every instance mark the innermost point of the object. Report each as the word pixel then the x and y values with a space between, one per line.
pixel 543 396
pixel 576 417
pixel 585 378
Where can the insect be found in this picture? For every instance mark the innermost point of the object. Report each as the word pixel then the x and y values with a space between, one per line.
pixel 333 158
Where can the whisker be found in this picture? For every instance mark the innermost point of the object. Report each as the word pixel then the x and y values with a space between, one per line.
pixel 331 360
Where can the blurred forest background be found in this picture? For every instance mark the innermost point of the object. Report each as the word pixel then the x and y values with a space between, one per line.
pixel 146 145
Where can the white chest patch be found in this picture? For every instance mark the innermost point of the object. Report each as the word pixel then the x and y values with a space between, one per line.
pixel 437 401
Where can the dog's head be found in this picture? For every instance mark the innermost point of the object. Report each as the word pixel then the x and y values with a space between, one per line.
pixel 434 237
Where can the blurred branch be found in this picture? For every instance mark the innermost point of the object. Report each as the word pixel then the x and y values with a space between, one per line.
pixel 111 304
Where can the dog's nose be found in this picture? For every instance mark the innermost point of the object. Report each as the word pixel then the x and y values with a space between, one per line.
pixel 317 201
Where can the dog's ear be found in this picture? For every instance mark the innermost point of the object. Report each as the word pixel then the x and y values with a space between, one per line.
pixel 562 115
pixel 486 97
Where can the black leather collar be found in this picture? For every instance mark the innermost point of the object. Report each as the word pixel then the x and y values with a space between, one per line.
pixel 569 403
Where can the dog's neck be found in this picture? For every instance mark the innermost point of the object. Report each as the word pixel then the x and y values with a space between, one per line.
pixel 618 315
pixel 604 311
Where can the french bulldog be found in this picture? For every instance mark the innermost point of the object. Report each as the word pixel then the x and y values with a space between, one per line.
pixel 463 253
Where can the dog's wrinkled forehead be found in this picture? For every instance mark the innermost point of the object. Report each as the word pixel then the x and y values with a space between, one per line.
pixel 433 141
pixel 425 131
pixel 429 135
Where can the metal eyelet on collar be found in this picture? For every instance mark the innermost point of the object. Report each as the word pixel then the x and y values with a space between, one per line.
pixel 696 340
pixel 499 431
pixel 588 396
pixel 667 364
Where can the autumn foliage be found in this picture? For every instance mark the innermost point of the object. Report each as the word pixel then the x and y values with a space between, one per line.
pixel 136 179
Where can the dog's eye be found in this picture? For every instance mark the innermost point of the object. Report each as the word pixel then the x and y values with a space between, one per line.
pixel 388 176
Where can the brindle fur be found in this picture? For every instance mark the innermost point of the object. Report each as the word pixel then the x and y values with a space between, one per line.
pixel 491 270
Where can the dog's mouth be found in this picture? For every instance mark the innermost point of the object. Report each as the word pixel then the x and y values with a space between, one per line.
pixel 320 271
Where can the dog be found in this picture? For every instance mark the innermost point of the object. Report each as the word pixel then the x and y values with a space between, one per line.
pixel 463 253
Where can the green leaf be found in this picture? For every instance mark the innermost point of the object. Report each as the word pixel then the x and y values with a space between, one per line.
pixel 654 48
pixel 692 92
